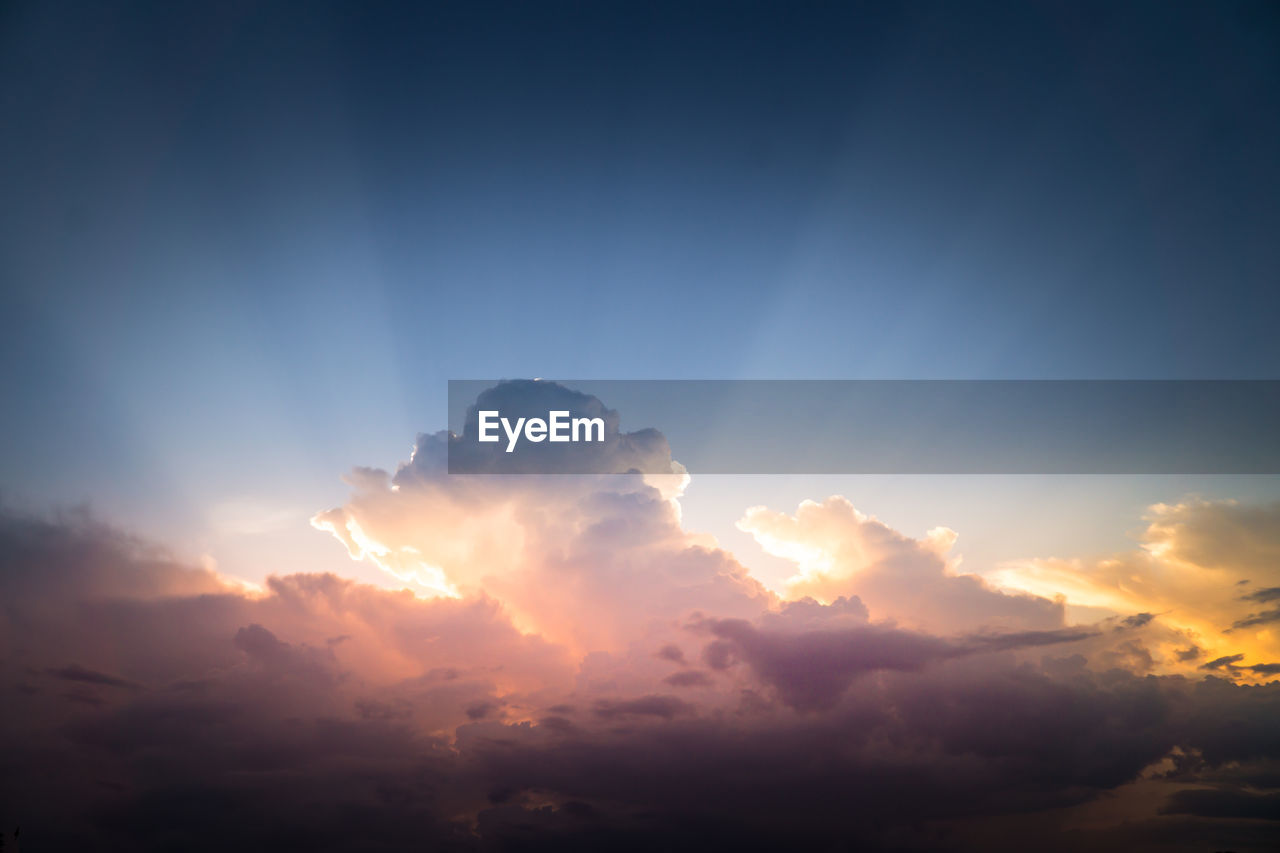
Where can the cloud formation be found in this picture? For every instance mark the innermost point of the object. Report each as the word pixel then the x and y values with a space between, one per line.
pixel 840 551
pixel 570 669
pixel 1209 569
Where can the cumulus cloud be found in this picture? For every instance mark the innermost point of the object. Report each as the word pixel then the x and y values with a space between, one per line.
pixel 592 561
pixel 839 551
pixel 568 668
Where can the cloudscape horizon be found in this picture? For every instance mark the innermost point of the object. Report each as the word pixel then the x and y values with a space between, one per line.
pixel 556 662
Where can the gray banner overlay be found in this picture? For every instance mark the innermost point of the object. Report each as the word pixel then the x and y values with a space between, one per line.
pixel 865 426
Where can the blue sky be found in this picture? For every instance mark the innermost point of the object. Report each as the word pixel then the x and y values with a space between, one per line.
pixel 245 247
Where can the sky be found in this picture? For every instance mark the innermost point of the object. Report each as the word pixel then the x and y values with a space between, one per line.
pixel 244 247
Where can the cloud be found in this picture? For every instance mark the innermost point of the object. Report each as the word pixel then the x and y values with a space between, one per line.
pixel 1138 620
pixel 812 669
pixel 1194 558
pixel 1226 535
pixel 568 668
pixel 840 551
pixel 1271 593
pixel 1217 802
pixel 1254 620
pixel 671 652
pixel 665 707
pixel 688 678
pixel 609 549
pixel 75 672
pixel 435 722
